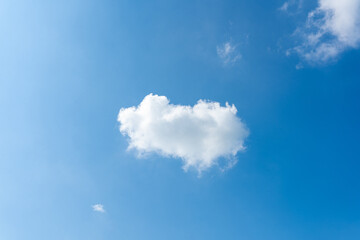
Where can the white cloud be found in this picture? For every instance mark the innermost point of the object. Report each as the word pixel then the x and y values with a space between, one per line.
pixel 198 135
pixel 98 208
pixel 333 27
pixel 228 53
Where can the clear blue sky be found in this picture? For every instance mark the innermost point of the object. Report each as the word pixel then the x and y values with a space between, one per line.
pixel 66 69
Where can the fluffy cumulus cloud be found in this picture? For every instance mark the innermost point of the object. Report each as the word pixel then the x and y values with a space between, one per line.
pixel 98 208
pixel 199 134
pixel 333 27
pixel 228 53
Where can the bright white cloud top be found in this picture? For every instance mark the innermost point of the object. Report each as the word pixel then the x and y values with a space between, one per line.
pixel 199 134
pixel 98 208
pixel 333 27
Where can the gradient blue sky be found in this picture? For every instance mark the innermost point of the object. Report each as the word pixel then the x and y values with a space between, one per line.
pixel 67 67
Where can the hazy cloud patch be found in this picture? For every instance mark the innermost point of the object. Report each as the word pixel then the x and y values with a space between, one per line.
pixel 98 208
pixel 228 53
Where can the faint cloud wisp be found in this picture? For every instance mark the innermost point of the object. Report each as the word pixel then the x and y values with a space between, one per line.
pixel 98 208
pixel 228 53
pixel 291 7
pixel 284 7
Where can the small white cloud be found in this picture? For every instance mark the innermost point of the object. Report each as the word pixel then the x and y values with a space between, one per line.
pixel 98 208
pixel 332 28
pixel 199 134
pixel 228 53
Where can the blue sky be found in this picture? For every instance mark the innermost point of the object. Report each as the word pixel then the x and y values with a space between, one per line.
pixel 68 67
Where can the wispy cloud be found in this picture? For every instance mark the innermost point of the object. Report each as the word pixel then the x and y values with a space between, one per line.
pixel 199 134
pixel 299 66
pixel 228 53
pixel 98 208
pixel 291 6
pixel 332 28
pixel 284 7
